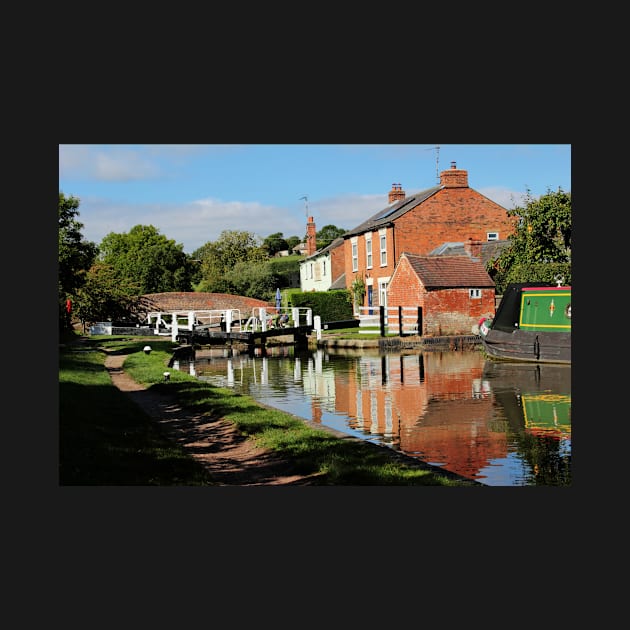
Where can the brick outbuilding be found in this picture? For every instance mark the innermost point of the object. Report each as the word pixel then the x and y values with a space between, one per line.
pixel 454 292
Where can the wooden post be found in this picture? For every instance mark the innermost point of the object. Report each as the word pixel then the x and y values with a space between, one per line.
pixel 400 322
pixel 420 320
pixel 381 310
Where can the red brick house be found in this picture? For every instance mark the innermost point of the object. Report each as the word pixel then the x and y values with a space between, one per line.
pixel 454 292
pixel 418 224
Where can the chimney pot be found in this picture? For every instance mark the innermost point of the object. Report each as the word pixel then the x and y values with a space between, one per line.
pixel 396 193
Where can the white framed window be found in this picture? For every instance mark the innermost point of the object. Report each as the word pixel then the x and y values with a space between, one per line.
pixel 324 268
pixel 474 294
pixel 382 238
pixel 310 270
pixel 382 291
pixel 355 255
pixel 492 236
pixel 368 251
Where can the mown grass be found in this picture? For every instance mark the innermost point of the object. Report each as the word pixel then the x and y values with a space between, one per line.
pixel 106 439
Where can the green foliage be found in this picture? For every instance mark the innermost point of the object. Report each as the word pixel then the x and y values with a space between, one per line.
pixel 147 259
pixel 536 272
pixel 218 258
pixel 275 243
pixel 327 235
pixel 357 289
pixel 75 255
pixel 542 237
pixel 286 269
pixel 331 306
pixel 252 280
pixel 108 297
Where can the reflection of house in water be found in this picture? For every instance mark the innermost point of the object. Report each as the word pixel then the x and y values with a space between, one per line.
pixel 429 405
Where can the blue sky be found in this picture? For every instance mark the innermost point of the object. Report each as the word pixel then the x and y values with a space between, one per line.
pixel 191 193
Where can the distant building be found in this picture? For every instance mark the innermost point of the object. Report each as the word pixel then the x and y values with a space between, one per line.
pixel 324 270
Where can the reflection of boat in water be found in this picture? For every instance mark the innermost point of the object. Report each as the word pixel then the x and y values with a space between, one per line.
pixel 547 414
pixel 528 377
pixel 532 323
pixel 536 397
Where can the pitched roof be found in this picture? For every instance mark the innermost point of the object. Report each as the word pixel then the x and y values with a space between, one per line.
pixel 339 283
pixel 392 212
pixel 489 249
pixel 325 250
pixel 449 271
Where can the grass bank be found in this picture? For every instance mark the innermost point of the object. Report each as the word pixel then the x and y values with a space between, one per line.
pixel 106 440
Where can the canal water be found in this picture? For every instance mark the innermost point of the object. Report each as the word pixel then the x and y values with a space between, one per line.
pixel 501 424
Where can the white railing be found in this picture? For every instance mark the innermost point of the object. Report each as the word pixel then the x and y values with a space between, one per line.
pixel 265 319
pixel 403 320
pixel 169 323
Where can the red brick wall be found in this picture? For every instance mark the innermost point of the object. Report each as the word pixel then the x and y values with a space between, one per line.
pixel 193 301
pixel 451 215
pixel 454 312
pixel 337 262
pixel 405 288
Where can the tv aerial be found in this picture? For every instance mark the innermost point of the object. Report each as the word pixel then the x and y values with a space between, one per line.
pixel 436 148
pixel 305 197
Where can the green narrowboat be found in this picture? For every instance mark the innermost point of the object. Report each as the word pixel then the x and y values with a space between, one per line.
pixel 532 323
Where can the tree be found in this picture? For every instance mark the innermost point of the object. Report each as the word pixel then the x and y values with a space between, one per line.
pixel 275 243
pixel 148 259
pixel 540 247
pixel 219 257
pixel 253 280
pixel 75 257
pixel 327 235
pixel 106 296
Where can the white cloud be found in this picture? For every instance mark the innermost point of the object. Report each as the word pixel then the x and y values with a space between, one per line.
pixel 111 164
pixel 192 224
pixel 503 196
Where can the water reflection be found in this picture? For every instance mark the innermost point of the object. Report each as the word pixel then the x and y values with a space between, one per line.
pixel 502 424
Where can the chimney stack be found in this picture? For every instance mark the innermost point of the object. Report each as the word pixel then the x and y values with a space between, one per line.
pixel 396 193
pixel 311 241
pixel 455 178
pixel 473 248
